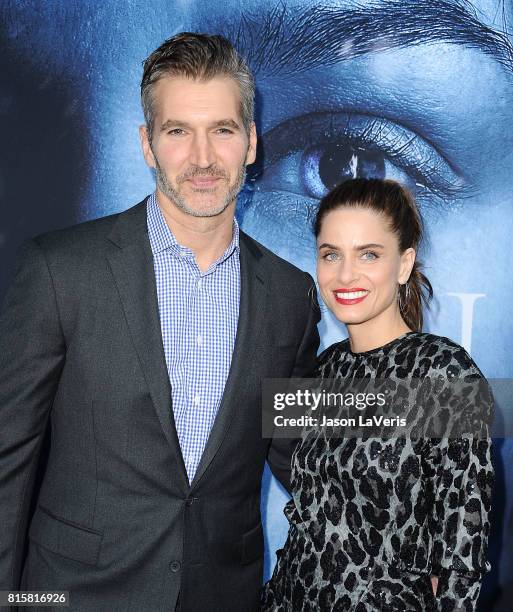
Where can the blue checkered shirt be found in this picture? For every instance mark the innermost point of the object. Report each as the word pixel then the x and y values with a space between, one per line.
pixel 198 312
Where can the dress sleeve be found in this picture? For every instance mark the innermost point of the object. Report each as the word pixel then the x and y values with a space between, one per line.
pixel 463 479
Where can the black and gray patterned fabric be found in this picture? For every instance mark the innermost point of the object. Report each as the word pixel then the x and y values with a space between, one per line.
pixel 372 519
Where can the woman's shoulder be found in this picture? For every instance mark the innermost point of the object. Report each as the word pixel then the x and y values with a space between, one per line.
pixel 415 354
pixel 332 355
pixel 455 383
pixel 443 355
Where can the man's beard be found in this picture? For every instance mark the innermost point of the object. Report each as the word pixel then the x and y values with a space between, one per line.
pixel 180 202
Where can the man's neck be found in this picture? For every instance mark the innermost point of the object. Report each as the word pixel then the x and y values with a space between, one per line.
pixel 207 237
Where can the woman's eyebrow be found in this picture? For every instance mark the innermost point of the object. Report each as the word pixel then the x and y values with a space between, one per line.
pixel 369 245
pixel 357 247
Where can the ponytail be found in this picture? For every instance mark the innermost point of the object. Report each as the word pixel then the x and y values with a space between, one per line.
pixel 414 295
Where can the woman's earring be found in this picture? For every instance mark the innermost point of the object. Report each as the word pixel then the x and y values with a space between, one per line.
pixel 403 303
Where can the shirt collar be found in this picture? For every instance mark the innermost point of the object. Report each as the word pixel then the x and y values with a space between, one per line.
pixel 162 238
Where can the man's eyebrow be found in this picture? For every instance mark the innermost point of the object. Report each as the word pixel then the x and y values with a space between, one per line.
pixel 230 123
pixel 173 123
pixel 284 42
pixel 176 123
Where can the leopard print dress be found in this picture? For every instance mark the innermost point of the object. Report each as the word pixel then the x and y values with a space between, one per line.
pixel 372 519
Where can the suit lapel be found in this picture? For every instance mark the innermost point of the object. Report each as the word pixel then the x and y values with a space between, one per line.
pixel 251 315
pixel 131 263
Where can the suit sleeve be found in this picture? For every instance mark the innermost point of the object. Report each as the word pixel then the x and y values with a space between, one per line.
pixel 32 354
pixel 281 450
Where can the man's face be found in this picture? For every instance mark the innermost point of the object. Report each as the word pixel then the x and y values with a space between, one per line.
pixel 199 147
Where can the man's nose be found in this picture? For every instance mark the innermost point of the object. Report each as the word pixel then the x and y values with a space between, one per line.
pixel 202 152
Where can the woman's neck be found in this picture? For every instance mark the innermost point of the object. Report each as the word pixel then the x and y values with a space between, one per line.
pixel 376 332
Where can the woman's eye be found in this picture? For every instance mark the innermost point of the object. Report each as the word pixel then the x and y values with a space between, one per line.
pixel 369 255
pixel 330 256
pixel 311 154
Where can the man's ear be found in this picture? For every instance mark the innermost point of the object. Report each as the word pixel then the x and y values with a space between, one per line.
pixel 146 146
pixel 251 154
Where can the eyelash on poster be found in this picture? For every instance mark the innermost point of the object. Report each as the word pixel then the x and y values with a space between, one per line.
pixel 426 167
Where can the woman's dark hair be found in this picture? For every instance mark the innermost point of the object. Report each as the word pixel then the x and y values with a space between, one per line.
pixel 395 202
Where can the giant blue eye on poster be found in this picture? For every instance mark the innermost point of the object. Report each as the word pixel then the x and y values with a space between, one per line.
pixel 418 91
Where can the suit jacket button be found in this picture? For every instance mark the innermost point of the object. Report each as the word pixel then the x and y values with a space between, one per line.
pixel 189 502
pixel 175 566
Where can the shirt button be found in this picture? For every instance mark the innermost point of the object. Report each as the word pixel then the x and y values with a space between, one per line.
pixel 197 400
pixel 175 566
pixel 199 283
pixel 199 339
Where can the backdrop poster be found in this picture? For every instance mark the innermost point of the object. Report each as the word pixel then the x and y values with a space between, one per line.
pixel 416 90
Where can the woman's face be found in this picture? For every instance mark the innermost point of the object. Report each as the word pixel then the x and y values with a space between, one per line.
pixel 359 266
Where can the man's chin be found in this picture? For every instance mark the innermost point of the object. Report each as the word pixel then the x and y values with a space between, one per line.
pixel 204 190
pixel 204 210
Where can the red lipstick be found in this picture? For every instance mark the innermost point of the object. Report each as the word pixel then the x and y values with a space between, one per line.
pixel 351 296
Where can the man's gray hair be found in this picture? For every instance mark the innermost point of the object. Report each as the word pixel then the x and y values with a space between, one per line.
pixel 201 57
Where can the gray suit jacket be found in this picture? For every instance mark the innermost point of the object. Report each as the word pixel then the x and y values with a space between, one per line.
pixel 81 357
